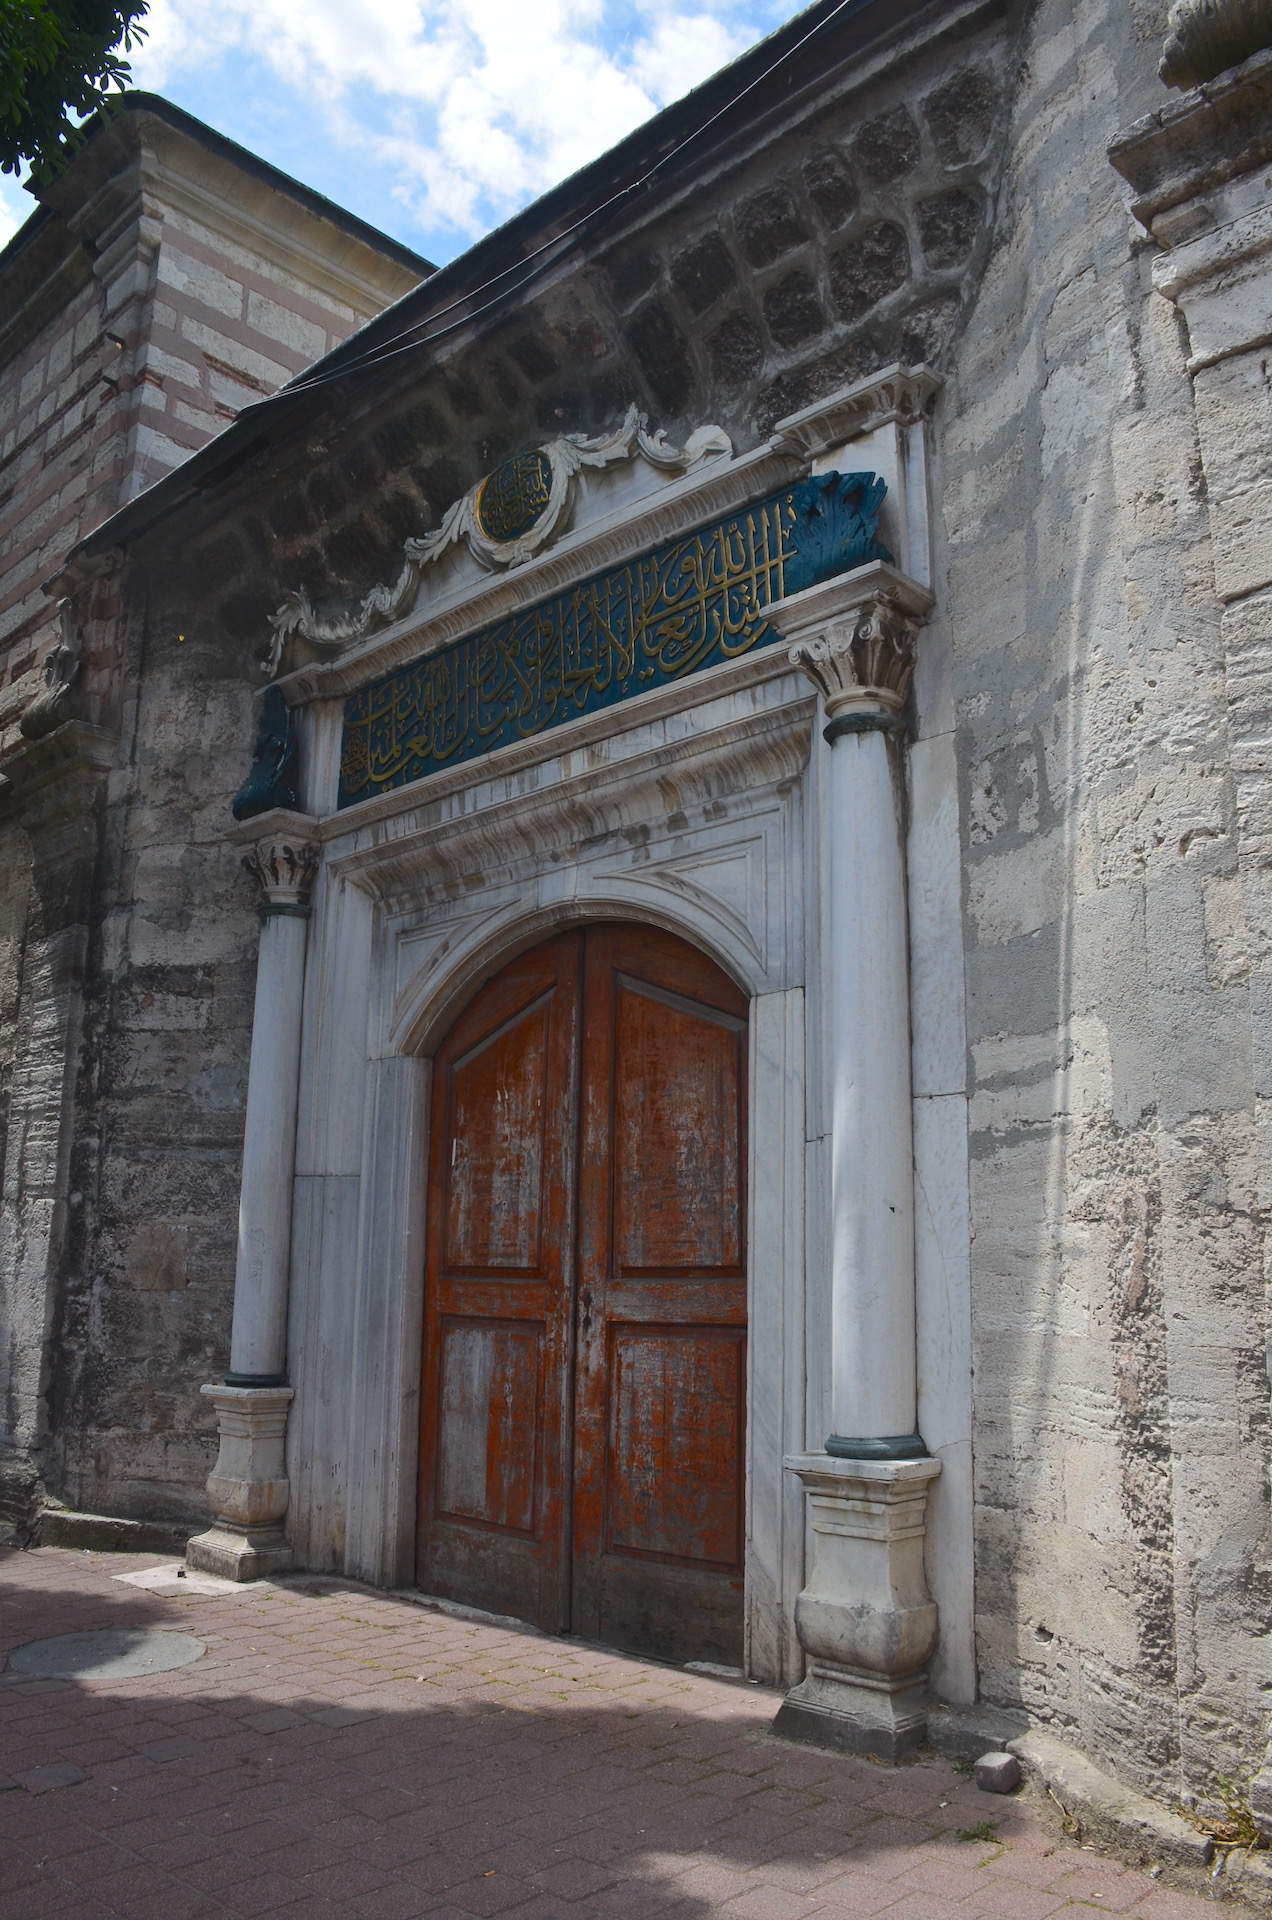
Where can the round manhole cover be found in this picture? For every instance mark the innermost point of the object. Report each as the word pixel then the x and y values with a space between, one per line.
pixel 108 1653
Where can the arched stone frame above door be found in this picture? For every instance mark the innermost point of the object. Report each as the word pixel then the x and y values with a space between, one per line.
pixel 698 828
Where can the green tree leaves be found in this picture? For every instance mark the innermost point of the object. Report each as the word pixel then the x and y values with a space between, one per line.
pixel 60 60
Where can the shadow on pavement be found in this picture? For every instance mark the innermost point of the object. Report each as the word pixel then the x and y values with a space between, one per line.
pixel 337 1751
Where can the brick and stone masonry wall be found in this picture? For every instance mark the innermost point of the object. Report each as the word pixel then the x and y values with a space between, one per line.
pixel 55 410
pixel 167 287
pixel 893 184
pixel 954 203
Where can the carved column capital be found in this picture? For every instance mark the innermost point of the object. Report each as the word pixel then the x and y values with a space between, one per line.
pixel 1206 37
pixel 862 664
pixel 284 866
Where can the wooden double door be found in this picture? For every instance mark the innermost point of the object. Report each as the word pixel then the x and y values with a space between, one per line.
pixel 583 1394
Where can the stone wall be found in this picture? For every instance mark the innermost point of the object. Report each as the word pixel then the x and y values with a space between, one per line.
pixel 166 282
pixel 161 287
pixel 1120 1384
pixel 143 1315
pixel 947 196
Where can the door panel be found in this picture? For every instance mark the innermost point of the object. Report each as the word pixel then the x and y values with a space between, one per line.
pixel 491 1395
pixel 499 1293
pixel 677 1183
pixel 675 1392
pixel 659 1453
pixel 583 1420
pixel 498 1131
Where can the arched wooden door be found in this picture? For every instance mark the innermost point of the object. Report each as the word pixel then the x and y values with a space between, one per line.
pixel 583 1405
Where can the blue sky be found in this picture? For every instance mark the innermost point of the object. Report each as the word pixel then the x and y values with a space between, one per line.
pixel 433 120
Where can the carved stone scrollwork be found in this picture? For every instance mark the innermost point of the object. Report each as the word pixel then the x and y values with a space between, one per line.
pixel 1206 37
pixel 863 665
pixel 509 516
pixel 285 870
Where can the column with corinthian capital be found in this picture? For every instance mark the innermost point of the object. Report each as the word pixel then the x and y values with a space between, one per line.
pixel 865 1618
pixel 248 1488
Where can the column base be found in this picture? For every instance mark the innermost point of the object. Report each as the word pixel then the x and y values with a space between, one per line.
pixel 239 1553
pixel 247 1488
pixel 865 1617
pixel 855 1714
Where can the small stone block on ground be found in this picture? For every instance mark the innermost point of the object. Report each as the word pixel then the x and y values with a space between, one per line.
pixel 998 1773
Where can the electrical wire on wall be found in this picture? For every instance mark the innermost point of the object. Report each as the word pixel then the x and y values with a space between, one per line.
pixel 543 257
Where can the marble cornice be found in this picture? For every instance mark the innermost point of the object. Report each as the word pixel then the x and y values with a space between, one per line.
pixel 847 598
pixel 901 396
pixel 896 394
pixel 1194 146
pixel 433 848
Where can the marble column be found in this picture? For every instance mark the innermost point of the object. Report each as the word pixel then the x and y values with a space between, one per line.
pixel 865 1618
pixel 248 1488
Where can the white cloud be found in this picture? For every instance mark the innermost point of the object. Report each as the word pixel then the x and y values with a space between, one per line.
pixel 470 109
pixel 16 207
pixel 679 43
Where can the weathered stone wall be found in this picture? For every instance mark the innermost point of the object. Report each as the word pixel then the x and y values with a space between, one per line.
pixel 145 1308
pixel 163 288
pixel 1120 1384
pixel 164 285
pixel 21 1358
pixel 953 202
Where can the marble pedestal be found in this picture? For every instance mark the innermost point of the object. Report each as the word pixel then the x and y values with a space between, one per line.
pixel 865 1618
pixel 247 1488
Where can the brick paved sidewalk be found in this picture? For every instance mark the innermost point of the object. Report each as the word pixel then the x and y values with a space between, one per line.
pixel 338 1752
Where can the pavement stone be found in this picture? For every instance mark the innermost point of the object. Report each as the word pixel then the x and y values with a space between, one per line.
pixel 345 1752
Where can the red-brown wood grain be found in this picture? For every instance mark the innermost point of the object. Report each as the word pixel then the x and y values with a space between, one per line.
pixel 583 1426
pixel 498 1337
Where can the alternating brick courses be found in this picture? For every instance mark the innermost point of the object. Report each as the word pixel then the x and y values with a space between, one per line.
pixel 130 340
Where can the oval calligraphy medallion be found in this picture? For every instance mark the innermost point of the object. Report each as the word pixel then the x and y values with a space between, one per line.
pixel 514 497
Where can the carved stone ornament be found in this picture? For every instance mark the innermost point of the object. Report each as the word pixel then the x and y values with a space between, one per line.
pixel 508 517
pixel 272 781
pixel 285 869
pixel 863 664
pixel 1206 37
pixel 53 706
pixel 904 395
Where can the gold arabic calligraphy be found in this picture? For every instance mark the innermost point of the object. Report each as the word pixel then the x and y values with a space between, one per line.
pixel 653 620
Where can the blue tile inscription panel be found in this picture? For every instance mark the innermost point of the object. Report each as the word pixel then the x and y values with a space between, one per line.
pixel 677 610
